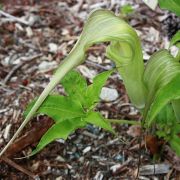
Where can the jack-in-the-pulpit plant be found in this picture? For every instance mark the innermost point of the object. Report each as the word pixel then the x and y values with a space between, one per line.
pixel 154 89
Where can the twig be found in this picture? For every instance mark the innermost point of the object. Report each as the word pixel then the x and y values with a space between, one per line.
pixel 139 156
pixel 18 167
pixel 13 18
pixel 15 68
pixel 122 121
pixel 97 65
pixel 155 169
pixel 117 169
pixel 140 149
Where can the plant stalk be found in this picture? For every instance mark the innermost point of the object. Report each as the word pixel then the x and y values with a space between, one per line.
pixel 122 121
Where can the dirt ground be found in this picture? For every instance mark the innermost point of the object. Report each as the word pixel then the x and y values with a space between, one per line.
pixel 29 54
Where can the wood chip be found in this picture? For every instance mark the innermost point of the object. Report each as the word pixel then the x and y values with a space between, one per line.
pixel 154 169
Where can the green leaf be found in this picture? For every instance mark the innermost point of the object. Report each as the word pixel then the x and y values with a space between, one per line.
pixel 166 123
pixel 171 5
pixel 75 85
pixel 160 70
pixel 59 108
pixel 166 115
pixel 176 128
pixel 176 107
pixel 175 39
pixel 127 9
pixel 175 144
pixel 59 130
pixel 166 94
pixel 94 90
pixel 98 120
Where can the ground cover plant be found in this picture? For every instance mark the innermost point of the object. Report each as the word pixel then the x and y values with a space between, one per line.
pixel 153 89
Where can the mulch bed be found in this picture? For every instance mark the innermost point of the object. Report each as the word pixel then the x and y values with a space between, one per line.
pixel 29 55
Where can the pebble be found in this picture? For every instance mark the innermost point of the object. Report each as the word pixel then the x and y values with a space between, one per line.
pixel 7 131
pixel 29 32
pixel 33 19
pixel 81 159
pixel 47 66
pixel 115 167
pixel 151 3
pixel 87 149
pixel 53 47
pixel 119 158
pixel 108 94
pixel 60 159
pixel 90 74
pixel 98 176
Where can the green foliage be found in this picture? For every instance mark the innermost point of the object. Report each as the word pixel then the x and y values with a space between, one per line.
pixel 98 120
pixel 176 40
pixel 69 112
pixel 79 86
pixel 59 130
pixel 93 91
pixel 59 108
pixel 175 144
pixel 168 127
pixel 160 70
pixel 171 5
pixel 166 94
pixel 126 9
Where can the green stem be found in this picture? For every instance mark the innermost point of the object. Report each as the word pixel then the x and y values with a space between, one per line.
pixel 122 121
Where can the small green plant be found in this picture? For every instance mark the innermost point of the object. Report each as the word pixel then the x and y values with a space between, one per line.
pixel 153 89
pixel 126 10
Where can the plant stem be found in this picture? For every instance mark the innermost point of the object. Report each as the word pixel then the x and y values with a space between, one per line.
pixel 122 121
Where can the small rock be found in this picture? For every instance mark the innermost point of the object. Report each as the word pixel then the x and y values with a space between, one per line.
pixel 87 149
pixel 174 50
pixel 119 158
pixel 60 159
pixel 115 167
pixel 81 159
pixel 90 74
pixel 153 35
pixel 19 27
pixel 152 4
pixel 98 176
pixel 59 178
pixel 29 31
pixel 33 19
pixel 108 94
pixel 47 66
pixel 7 131
pixel 64 32
pixel 61 141
pixel 145 56
pixel 53 47
pixel 134 131
pixel 6 61
pixel 35 166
